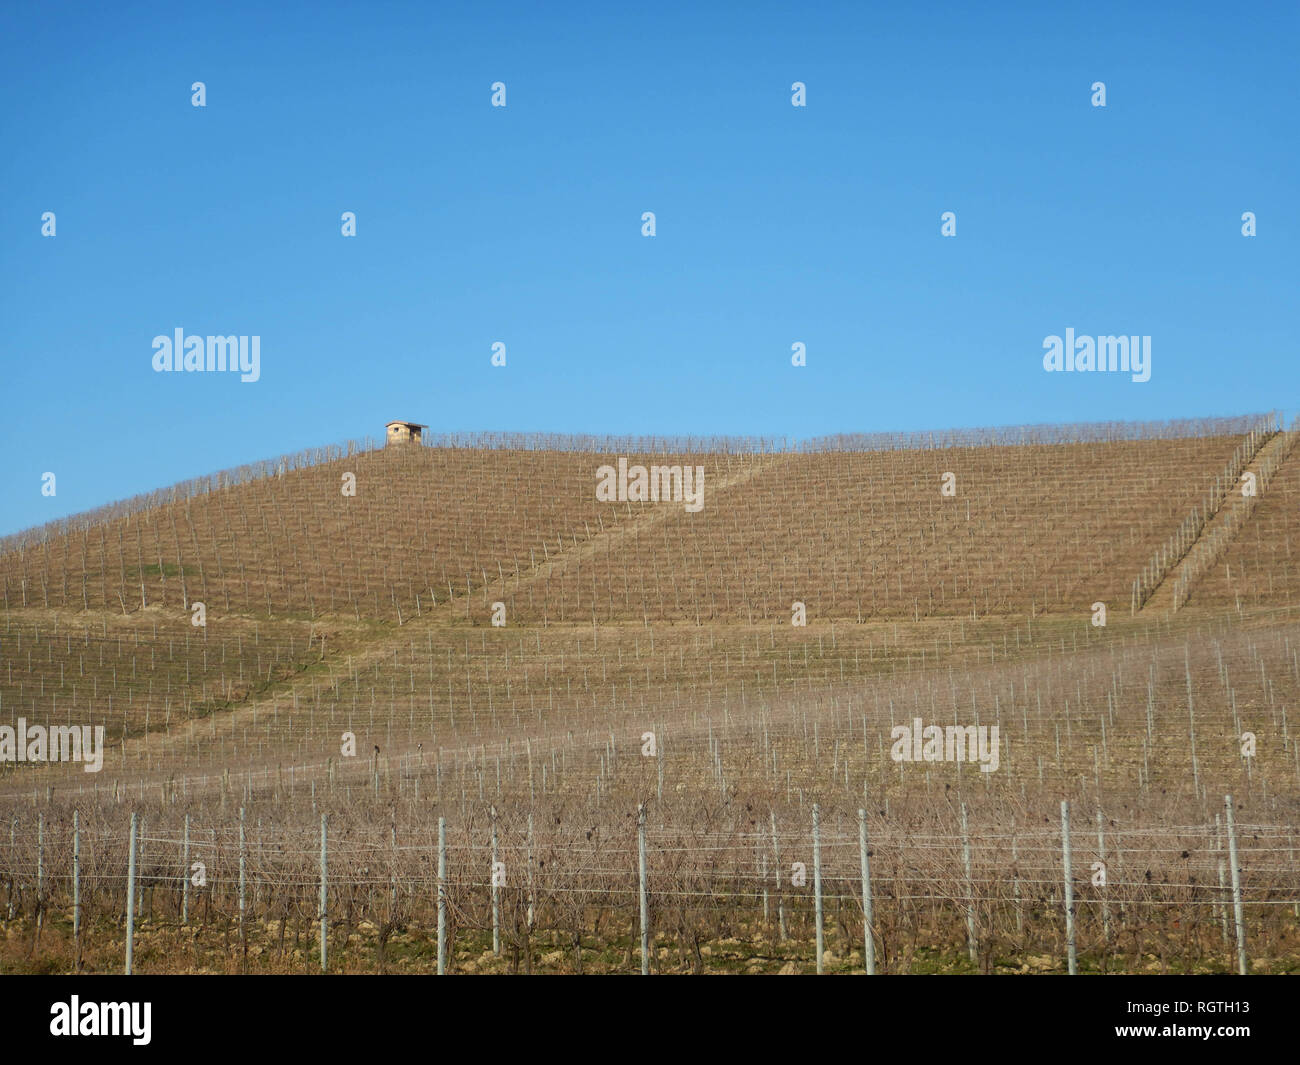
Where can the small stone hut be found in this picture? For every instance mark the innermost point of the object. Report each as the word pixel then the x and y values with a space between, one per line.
pixel 404 432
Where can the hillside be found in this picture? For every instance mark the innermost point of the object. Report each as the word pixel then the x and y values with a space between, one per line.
pixel 852 533
pixel 330 616
pixel 294 575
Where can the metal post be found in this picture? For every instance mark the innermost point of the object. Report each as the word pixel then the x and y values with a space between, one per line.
pixel 1105 896
pixel 76 880
pixel 1073 961
pixel 442 896
pixel 868 938
pixel 496 890
pixel 972 944
pixel 40 869
pixel 324 895
pixel 1222 906
pixel 40 865
pixel 242 871
pixel 817 881
pixel 139 891
pixel 1015 883
pixel 130 899
pixel 776 877
pixel 185 873
pixel 644 896
pixel 1238 916
pixel 532 898
pixel 13 825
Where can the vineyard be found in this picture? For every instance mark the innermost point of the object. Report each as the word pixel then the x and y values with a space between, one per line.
pixel 473 719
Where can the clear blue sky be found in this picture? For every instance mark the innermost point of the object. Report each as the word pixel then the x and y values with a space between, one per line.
pixel 776 224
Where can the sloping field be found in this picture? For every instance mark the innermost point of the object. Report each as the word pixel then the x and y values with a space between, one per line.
pixel 424 525
pixel 1261 566
pixel 852 534
pixel 859 535
pixel 349 666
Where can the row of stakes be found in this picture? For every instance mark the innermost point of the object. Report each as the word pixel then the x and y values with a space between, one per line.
pixel 869 950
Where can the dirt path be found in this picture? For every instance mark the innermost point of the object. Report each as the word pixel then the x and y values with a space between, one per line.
pixel 180 738
pixel 1224 524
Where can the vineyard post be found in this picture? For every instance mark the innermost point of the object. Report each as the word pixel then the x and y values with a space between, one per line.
pixel 776 876
pixel 972 946
pixel 392 874
pixel 532 897
pixel 496 891
pixel 1221 907
pixel 1072 958
pixel 644 900
pixel 130 898
pixel 1238 917
pixel 185 872
pixel 139 900
pixel 1015 881
pixel 13 825
pixel 1105 895
pixel 242 871
pixel 40 869
pixel 324 895
pixel 817 879
pixel 442 896
pixel 76 882
pixel 868 939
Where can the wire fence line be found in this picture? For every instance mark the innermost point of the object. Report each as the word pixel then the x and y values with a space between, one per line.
pixel 783 872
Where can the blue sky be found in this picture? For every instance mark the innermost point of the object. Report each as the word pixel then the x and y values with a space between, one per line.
pixel 522 224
